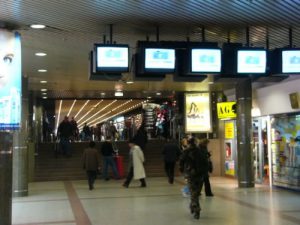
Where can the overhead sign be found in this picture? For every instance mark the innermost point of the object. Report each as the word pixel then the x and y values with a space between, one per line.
pixel 226 110
pixel 197 113
pixel 10 80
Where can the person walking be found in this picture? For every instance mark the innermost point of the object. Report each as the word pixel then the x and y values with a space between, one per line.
pixel 171 153
pixel 203 146
pixel 193 163
pixel 64 132
pixel 135 165
pixel 91 163
pixel 107 152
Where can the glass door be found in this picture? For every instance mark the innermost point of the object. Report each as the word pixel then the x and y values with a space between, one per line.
pixel 260 149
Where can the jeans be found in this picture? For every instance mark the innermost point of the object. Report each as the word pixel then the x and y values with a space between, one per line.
pixel 109 161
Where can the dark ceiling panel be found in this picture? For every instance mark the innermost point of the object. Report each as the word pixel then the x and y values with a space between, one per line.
pixel 74 26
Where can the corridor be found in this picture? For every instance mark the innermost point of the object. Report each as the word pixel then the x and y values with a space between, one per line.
pixel 70 202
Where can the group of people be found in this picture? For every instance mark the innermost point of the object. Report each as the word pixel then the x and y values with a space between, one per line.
pixel 193 159
pixel 91 163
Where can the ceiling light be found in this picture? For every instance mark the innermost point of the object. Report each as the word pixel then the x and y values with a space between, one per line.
pixel 37 26
pixel 43 82
pixel 42 70
pixel 158 93
pixel 43 89
pixel 129 82
pixel 40 54
pixel 118 93
pixel 149 97
pixel 44 93
pixel 45 97
pixel 102 93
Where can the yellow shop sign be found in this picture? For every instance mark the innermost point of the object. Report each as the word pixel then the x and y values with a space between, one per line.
pixel 226 110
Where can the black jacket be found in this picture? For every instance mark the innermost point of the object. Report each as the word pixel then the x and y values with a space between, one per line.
pixel 107 149
pixel 171 152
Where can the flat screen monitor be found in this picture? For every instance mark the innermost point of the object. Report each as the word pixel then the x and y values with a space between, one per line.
pixel 112 58
pixel 205 60
pixel 251 61
pixel 290 61
pixel 159 60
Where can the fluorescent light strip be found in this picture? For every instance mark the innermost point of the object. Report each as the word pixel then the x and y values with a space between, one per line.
pixel 70 110
pixel 58 116
pixel 125 110
pixel 82 108
pixel 97 113
pixel 119 106
pixel 95 106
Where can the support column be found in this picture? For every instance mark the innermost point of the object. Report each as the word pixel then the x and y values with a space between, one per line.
pixel 20 149
pixel 6 145
pixel 244 151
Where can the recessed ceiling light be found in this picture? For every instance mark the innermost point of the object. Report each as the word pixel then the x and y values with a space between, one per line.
pixel 43 82
pixel 45 97
pixel 158 93
pixel 44 93
pixel 37 26
pixel 149 97
pixel 40 54
pixel 43 89
pixel 42 70
pixel 118 93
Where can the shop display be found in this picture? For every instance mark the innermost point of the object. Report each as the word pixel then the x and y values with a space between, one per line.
pixel 285 137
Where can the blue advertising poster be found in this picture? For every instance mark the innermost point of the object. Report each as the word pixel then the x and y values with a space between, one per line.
pixel 10 80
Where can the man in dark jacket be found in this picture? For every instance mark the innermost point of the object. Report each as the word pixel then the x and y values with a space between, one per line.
pixel 193 162
pixel 107 152
pixel 91 162
pixel 171 152
pixel 65 132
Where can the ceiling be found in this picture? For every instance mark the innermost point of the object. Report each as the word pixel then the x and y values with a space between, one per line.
pixel 93 112
pixel 72 27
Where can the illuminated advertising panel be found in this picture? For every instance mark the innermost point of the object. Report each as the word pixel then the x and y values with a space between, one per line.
pixel 197 113
pixel 10 80
pixel 226 110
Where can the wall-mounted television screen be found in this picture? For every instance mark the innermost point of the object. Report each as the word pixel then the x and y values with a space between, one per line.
pixel 112 58
pixel 251 61
pixel 290 61
pixel 205 60
pixel 159 60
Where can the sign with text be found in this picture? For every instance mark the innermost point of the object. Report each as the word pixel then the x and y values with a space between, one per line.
pixel 10 80
pixel 226 110
pixel 197 113
pixel 229 130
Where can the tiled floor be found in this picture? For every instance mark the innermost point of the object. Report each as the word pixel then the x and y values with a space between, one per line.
pixel 68 203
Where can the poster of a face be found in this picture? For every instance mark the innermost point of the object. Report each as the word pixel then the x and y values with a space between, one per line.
pixel 10 80
pixel 197 113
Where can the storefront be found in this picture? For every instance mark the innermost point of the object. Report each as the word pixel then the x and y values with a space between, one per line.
pixel 285 147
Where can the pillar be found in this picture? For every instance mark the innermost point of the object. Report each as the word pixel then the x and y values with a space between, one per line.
pixel 20 148
pixel 6 145
pixel 244 151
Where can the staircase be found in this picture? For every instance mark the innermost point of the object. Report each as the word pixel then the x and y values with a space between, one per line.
pixel 51 168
